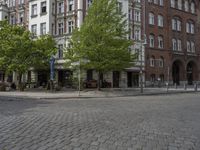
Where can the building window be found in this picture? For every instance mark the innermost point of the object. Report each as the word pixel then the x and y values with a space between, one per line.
pixel 137 53
pixel 53 8
pixel 186 5
pixel 43 7
pixel 70 26
pixel 70 5
pixel 161 2
pixel 60 28
pixel 137 35
pixel 160 42
pixel 12 3
pixel 176 24
pixel 119 6
pixel 60 7
pixel 160 21
pixel 155 1
pixel 60 51
pixel 152 61
pixel 34 29
pixel 137 15
pixel 161 62
pixel 179 45
pixel 21 17
pixel 173 3
pixel 151 18
pixel 180 4
pixel 188 47
pixel 21 2
pixel 151 40
pixel 53 29
pixel 190 27
pixel 89 2
pixel 192 45
pixel 12 19
pixel 43 28
pixel 192 7
pixel 174 44
pixel 34 10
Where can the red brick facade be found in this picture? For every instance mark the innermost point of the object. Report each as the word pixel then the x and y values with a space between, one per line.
pixel 179 66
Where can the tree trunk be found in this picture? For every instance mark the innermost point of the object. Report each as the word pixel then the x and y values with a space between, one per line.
pixel 20 85
pixel 99 81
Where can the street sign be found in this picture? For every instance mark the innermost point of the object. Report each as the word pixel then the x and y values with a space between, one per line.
pixel 52 65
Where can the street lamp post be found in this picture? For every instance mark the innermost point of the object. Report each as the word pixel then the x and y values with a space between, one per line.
pixel 141 70
pixel 142 50
pixel 79 79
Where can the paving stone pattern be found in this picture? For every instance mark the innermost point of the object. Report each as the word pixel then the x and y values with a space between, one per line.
pixel 138 123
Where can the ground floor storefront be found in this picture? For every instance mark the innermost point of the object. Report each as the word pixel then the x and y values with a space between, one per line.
pixel 89 78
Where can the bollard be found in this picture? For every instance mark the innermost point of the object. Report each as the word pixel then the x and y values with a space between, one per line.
pixel 167 86
pixel 175 86
pixel 185 86
pixel 195 87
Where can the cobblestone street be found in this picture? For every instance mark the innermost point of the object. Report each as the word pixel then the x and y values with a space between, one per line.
pixel 167 122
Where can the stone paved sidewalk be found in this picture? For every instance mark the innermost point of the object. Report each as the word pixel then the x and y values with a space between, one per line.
pixel 69 93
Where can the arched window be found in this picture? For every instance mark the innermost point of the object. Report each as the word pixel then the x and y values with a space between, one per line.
pixel 176 24
pixel 152 61
pixel 174 44
pixel 151 40
pixel 160 42
pixel 160 21
pixel 190 27
pixel 173 3
pixel 155 1
pixel 180 4
pixel 192 7
pixel 186 5
pixel 151 18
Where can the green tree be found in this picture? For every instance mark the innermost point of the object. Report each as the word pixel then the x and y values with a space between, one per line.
pixel 102 39
pixel 20 51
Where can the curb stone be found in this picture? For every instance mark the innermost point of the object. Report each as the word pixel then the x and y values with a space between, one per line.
pixel 18 98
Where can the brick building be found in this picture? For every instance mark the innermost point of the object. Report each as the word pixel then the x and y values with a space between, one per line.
pixel 173 31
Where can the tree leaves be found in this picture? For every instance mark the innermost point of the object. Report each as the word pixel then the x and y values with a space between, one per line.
pixel 19 51
pixel 102 39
